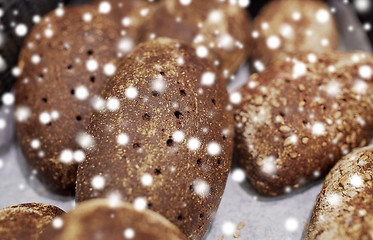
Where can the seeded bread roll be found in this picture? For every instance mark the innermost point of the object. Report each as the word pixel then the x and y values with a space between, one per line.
pixel 285 27
pixel 219 30
pixel 103 219
pixel 26 221
pixel 296 119
pixel 165 137
pixel 344 208
pixel 54 95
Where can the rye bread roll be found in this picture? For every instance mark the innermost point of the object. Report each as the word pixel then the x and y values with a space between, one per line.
pixel 344 207
pixel 129 14
pixel 26 221
pixel 164 138
pixel 286 27
pixel 296 119
pixel 219 30
pixel 65 62
pixel 103 219
pixel 17 18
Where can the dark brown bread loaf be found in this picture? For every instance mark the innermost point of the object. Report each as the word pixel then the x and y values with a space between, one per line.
pixel 26 221
pixel 296 119
pixel 344 208
pixel 129 14
pixel 17 17
pixel 65 62
pixel 220 30
pixel 291 26
pixel 165 138
pixel 103 219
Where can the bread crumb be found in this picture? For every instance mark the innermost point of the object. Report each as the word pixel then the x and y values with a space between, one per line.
pixel 240 225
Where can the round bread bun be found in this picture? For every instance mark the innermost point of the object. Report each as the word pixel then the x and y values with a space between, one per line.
pixel 104 219
pixel 26 221
pixel 65 63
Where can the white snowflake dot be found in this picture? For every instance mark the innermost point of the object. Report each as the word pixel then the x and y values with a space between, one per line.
pixel 60 12
pixel 21 30
pixel 126 45
pixel 35 59
pixel 66 156
pixel 269 165
pixel 87 17
pixel 235 98
pixel 201 188
pixel 333 199
pixel 296 16
pixel 185 2
pixel 356 181
pixel 8 99
pixel 228 228
pixel 104 7
pixel 360 87
pixel 131 92
pixel 91 65
pixel 81 93
pixel 2 124
pixel 45 118
pixel 122 139
pixel 312 58
pixel 193 144
pixel 243 3
pixel 98 182
pixel 35 143
pixel 322 16
pixel 291 224
pixel 324 42
pixel 159 84
pixel 109 69
pixel 213 149
pixel 129 233
pixel 147 179
pixel 113 104
pixel 55 114
pixel 48 33
pixel 178 136
pixel 85 140
pixel 22 113
pixel 79 156
pixel 202 51
pixel 208 78
pixel 299 69
pixel 318 129
pixel 365 71
pixel 259 66
pixel 180 61
pixel 16 71
pixel 140 203
pixel 238 175
pixel 362 6
pixel 57 223
pixel 36 18
pixel 126 21
pixel 273 42
pixel 98 103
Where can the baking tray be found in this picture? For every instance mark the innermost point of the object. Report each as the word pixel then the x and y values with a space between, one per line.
pixel 242 213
